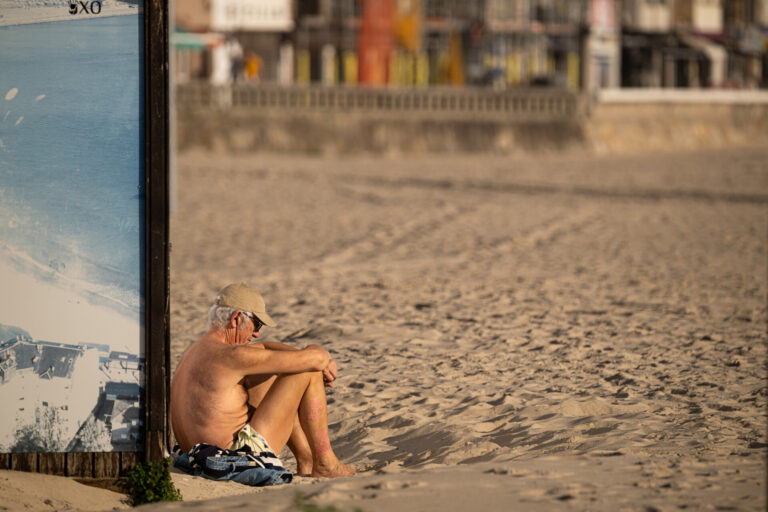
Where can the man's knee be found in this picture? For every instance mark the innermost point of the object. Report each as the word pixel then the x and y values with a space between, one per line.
pixel 315 379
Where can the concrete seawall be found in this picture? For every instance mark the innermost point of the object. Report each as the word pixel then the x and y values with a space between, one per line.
pixel 620 122
pixel 244 131
pixel 674 126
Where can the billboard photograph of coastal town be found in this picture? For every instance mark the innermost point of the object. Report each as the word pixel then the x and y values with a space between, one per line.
pixel 71 226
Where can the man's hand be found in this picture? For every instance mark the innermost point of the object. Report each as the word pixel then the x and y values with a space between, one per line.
pixel 330 373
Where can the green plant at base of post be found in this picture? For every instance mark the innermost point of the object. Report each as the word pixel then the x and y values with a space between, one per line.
pixel 150 482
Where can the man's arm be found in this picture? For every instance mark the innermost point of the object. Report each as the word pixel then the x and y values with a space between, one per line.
pixel 330 372
pixel 276 345
pixel 253 359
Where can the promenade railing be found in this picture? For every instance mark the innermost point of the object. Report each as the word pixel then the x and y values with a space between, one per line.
pixel 528 104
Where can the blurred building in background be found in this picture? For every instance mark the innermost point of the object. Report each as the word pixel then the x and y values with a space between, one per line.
pixel 578 45
pixel 226 41
pixel 745 31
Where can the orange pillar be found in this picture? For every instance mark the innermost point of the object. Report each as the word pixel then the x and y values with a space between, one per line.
pixel 376 41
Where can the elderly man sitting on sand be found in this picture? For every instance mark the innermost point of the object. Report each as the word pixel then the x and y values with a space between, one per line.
pixel 229 392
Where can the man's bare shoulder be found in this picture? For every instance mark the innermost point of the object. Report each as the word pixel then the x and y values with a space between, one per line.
pixel 250 352
pixel 214 363
pixel 205 345
pixel 206 351
pixel 232 356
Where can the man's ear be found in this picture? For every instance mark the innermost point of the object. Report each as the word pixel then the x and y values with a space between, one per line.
pixel 235 319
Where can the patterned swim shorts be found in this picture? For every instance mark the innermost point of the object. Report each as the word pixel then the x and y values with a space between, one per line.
pixel 248 436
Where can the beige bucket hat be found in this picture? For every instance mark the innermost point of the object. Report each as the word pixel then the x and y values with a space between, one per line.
pixel 243 297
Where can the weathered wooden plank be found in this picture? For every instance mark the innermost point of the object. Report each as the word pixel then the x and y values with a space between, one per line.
pixel 128 461
pixel 80 464
pixel 52 463
pixel 157 256
pixel 106 465
pixel 24 461
pixel 5 461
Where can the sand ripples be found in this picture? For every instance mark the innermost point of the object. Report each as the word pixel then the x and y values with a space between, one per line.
pixel 495 324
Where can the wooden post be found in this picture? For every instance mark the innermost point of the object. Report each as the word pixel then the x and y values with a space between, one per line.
pixel 157 378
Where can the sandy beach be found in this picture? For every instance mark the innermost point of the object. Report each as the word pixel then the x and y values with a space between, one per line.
pixel 513 333
pixel 511 330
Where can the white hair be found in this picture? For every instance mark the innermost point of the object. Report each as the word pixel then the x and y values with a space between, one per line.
pixel 218 316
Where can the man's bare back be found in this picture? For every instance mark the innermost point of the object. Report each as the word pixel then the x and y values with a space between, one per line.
pixel 222 378
pixel 209 406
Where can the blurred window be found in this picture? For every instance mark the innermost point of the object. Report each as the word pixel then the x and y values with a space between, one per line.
pixel 439 8
pixel 309 8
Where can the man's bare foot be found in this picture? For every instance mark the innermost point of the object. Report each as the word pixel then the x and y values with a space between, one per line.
pixel 336 471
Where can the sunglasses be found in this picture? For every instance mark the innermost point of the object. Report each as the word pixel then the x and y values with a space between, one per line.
pixel 257 324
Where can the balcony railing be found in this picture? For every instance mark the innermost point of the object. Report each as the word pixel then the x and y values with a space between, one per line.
pixel 461 103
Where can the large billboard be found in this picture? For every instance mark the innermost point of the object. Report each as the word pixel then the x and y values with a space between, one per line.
pixel 72 240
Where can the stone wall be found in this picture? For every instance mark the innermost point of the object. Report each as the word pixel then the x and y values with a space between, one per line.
pixel 627 128
pixel 246 131
pixel 605 127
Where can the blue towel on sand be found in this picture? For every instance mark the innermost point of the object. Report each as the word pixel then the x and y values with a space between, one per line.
pixel 243 465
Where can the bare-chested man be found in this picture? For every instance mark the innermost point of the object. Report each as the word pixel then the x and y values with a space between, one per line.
pixel 229 392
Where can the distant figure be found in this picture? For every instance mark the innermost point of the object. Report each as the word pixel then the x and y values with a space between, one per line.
pixel 236 61
pixel 253 65
pixel 229 392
